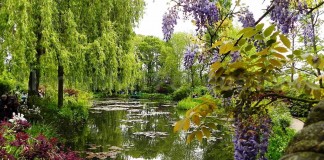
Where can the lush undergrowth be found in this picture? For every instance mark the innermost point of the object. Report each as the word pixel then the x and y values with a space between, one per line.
pixel 281 133
pixel 190 102
pixel 20 140
pixel 74 109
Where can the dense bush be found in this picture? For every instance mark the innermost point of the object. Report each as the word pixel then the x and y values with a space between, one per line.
pixel 181 93
pixel 281 134
pixel 190 102
pixel 74 110
pixel 154 96
pixel 164 88
pixel 199 91
pixel 16 143
pixel 45 129
pixel 5 86
pixel 187 103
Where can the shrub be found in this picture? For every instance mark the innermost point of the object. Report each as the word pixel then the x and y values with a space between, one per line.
pixel 280 115
pixel 187 103
pixel 74 110
pixel 42 128
pixel 199 91
pixel 281 134
pixel 181 93
pixel 164 88
pixel 154 96
pixel 5 86
pixel 16 143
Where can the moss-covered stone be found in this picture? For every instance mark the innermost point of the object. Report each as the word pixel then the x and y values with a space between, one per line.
pixel 303 156
pixel 308 144
pixel 308 139
pixel 316 115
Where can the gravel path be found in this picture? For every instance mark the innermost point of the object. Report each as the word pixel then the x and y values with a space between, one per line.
pixel 297 124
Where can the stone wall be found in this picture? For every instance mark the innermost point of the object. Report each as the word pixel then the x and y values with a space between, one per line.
pixel 308 144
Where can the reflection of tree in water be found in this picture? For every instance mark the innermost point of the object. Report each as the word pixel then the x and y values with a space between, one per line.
pixel 102 129
pixel 117 128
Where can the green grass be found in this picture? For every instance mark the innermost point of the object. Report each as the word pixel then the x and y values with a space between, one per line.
pixel 189 102
pixel 44 129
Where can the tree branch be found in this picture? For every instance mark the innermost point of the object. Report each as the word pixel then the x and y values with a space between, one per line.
pixel 317 6
pixel 308 72
pixel 256 22
pixel 291 98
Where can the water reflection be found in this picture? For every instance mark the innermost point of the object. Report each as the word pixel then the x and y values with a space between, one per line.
pixel 143 130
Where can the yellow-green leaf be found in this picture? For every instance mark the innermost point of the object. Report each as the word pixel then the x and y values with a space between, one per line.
pixel 237 65
pixel 215 66
pixel 212 125
pixel 279 55
pixel 196 119
pixel 178 126
pixel 297 52
pixel 206 132
pixel 250 33
pixel 245 30
pixel 281 49
pixel 263 52
pixel 190 112
pixel 261 65
pixel 259 26
pixel 317 94
pixel 248 48
pixel 269 30
pixel 242 41
pixel 226 48
pixel 261 60
pixel 186 124
pixel 275 62
pixel 217 43
pixel 285 41
pixel 258 37
pixel 190 137
pixel 199 135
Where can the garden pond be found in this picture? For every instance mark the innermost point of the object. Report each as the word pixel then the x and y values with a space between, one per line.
pixel 124 129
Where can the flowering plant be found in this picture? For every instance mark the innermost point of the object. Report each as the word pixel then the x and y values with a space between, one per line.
pixel 15 143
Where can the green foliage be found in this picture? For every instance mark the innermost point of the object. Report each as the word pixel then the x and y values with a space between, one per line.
pixel 42 128
pixel 187 103
pixel 278 142
pixel 280 115
pixel 199 91
pixel 164 88
pixel 5 86
pixel 155 96
pixel 74 110
pixel 281 134
pixel 181 93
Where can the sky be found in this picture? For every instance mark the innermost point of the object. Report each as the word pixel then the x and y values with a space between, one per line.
pixel 151 23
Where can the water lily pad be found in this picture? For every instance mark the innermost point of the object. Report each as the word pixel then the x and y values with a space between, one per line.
pixel 151 134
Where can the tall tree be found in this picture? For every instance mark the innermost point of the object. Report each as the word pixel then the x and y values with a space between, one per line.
pixel 84 37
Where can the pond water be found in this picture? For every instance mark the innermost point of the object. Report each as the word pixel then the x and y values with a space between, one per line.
pixel 138 129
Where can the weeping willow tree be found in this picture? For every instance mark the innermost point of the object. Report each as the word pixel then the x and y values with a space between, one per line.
pixel 88 42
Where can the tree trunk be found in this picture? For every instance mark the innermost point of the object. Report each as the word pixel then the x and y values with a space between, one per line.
pixel 34 78
pixel 60 74
pixel 32 84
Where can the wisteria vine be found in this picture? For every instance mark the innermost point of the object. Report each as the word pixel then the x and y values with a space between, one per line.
pixel 204 12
